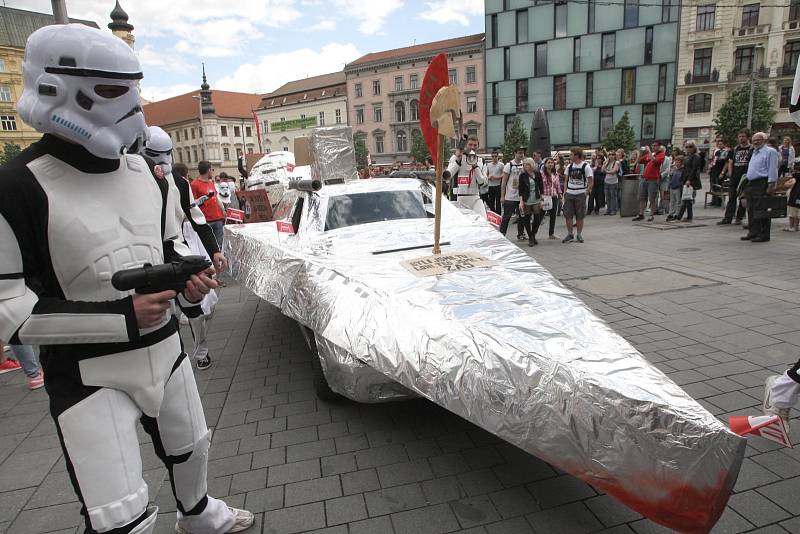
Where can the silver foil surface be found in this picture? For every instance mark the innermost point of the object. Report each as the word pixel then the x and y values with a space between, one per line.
pixel 507 347
pixel 333 154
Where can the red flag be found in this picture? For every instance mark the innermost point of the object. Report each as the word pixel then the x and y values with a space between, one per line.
pixel 435 78
pixel 770 427
pixel 258 132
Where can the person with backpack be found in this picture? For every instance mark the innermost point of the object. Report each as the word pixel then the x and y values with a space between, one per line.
pixel 579 183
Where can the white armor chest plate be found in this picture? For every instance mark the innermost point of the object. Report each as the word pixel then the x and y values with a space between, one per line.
pixel 99 224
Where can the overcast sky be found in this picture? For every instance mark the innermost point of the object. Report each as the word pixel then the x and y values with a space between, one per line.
pixel 258 45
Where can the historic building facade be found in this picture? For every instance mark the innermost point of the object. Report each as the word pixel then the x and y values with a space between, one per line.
pixel 586 63
pixel 295 108
pixel 383 93
pixel 725 45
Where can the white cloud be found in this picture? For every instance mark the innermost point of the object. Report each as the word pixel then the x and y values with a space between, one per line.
pixel 371 16
pixel 323 25
pixel 274 70
pixel 155 93
pixel 150 57
pixel 216 38
pixel 447 11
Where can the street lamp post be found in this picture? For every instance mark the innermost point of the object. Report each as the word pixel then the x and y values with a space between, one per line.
pixel 60 11
pixel 202 127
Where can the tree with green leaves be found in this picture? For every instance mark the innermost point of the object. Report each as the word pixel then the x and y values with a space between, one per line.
pixel 732 115
pixel 621 135
pixel 516 136
pixel 10 151
pixel 361 151
pixel 419 149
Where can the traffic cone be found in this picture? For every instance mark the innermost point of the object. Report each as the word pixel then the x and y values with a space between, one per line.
pixel 770 427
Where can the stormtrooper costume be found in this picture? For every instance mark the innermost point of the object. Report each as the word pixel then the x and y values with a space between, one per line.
pixel 74 209
pixel 197 235
pixel 469 180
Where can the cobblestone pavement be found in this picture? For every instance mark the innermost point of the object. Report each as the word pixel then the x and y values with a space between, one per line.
pixel 303 465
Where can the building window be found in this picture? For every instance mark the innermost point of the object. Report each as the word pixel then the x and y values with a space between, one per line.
pixel 669 10
pixel 662 83
pixel 786 97
pixel 239 150
pixel 472 104
pixel 5 93
pixel 376 87
pixel 589 89
pixel 559 92
pixel 590 22
pixel 322 118
pixel 338 114
pixel 628 86
pixel 360 116
pixel 701 70
pixel 509 121
pixel 185 134
pixel 193 133
pixel 561 19
pixel 791 52
pixel 522 96
pixel 609 46
pixel 522 26
pixel 576 125
pixel 379 143
pixel 648 45
pixel 8 123
pixel 200 131
pixel 194 152
pixel 472 132
pixel 606 121
pixel 359 90
pixel 699 103
pixel 414 81
pixel 576 54
pixel 264 126
pixel 399 112
pixel 453 74
pixel 744 60
pixel 649 121
pixel 402 141
pixel 471 74
pixel 750 15
pixel 631 13
pixel 398 83
pixel 248 131
pixel 2 65
pixel 178 135
pixel 250 150
pixel 226 154
pixel 377 114
pixel 541 59
pixel 495 99
pixel 507 63
pixel 794 10
pixel 705 17
pixel 413 110
pixel 494 31
pixel 223 130
pixel 237 132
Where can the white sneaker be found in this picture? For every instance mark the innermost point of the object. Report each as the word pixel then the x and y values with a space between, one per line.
pixel 769 409
pixel 243 521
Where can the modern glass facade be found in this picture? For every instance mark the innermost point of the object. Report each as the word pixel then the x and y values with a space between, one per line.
pixel 586 63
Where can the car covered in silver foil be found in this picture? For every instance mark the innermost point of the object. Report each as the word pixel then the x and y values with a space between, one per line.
pixel 505 346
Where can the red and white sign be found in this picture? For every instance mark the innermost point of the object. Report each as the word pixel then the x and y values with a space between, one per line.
pixel 235 215
pixel 770 427
pixel 290 167
pixel 285 227
pixel 464 180
pixel 493 218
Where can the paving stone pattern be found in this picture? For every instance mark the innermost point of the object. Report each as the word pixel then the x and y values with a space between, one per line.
pixel 302 465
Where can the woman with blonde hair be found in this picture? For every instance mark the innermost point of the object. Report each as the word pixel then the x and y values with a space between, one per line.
pixel 787 153
pixel 611 182
pixel 531 192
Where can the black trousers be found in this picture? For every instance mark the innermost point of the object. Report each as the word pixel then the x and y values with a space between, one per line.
pixel 686 207
pixel 734 207
pixel 715 185
pixel 493 199
pixel 759 228
pixel 597 199
pixel 554 214
pixel 531 224
pixel 510 207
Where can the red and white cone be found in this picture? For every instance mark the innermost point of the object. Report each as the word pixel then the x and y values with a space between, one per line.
pixel 770 427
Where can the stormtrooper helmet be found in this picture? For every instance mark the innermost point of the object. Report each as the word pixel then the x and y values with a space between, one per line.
pixel 159 148
pixel 81 84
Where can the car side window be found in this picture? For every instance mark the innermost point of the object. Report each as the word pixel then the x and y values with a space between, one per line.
pixel 297 215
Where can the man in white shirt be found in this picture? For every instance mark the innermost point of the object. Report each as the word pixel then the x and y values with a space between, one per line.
pixel 579 185
pixel 494 171
pixel 466 168
pixel 510 192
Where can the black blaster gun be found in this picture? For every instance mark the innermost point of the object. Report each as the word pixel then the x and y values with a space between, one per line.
pixel 154 279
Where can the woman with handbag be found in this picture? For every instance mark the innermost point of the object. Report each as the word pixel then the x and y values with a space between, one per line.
pixel 551 199
pixel 531 192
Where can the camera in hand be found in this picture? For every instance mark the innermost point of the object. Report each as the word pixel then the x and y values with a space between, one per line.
pixel 156 278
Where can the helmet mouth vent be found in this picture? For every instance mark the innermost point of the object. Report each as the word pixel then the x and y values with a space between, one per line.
pixel 61 121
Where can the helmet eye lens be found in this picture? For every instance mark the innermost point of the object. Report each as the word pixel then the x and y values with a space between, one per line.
pixel 111 91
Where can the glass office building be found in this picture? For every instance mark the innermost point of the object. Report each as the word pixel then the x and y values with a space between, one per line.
pixel 586 63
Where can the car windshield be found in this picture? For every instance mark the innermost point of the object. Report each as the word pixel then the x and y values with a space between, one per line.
pixel 363 208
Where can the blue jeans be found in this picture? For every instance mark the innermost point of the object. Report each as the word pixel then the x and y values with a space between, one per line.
pixel 26 357
pixel 611 197
pixel 218 227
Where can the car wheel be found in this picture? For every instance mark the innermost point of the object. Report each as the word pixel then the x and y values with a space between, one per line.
pixel 321 387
